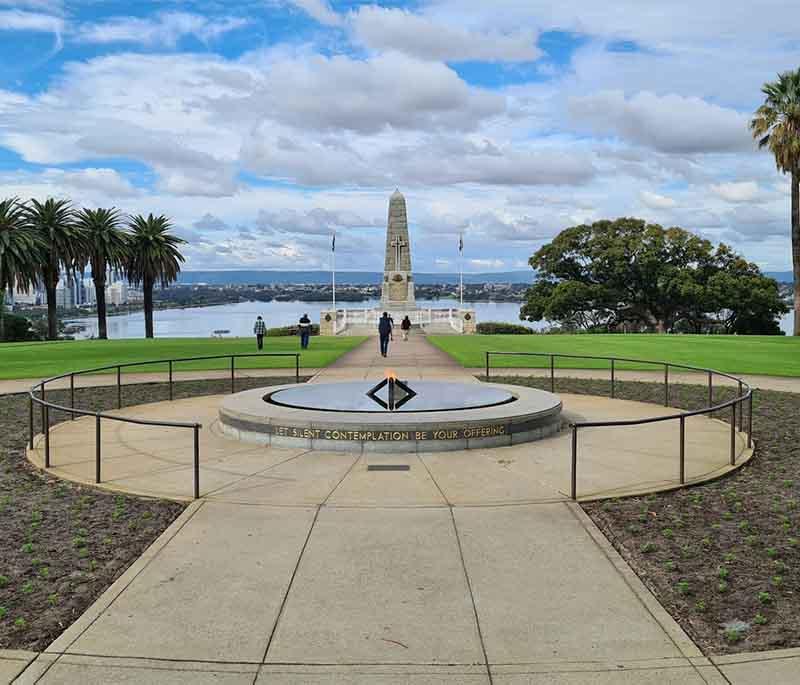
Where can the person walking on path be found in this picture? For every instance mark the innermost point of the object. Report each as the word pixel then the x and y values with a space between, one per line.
pixel 405 326
pixel 385 333
pixel 305 331
pixel 260 329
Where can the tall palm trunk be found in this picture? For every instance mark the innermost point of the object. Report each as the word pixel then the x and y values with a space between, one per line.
pixel 52 318
pixel 796 244
pixel 100 297
pixel 148 307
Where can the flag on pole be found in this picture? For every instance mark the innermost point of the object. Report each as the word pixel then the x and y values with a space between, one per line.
pixel 333 242
pixel 460 242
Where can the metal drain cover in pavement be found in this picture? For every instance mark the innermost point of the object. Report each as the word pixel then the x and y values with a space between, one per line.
pixel 388 467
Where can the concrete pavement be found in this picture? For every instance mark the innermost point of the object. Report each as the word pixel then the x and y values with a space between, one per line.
pixel 306 567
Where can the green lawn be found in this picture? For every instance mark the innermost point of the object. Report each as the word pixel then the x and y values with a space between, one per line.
pixel 767 355
pixel 44 359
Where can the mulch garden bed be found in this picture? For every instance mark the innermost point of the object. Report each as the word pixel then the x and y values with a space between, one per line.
pixel 722 557
pixel 63 544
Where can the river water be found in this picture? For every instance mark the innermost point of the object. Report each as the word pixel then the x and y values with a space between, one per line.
pixel 238 318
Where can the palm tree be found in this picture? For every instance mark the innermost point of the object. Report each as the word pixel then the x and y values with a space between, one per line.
pixel 154 258
pixel 19 253
pixel 63 244
pixel 108 247
pixel 776 125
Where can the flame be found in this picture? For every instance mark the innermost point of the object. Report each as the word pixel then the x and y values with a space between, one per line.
pixel 390 375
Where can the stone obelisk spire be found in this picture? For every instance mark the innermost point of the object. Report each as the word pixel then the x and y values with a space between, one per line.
pixel 398 285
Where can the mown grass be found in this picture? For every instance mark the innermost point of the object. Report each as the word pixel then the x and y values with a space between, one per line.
pixel 765 355
pixel 44 359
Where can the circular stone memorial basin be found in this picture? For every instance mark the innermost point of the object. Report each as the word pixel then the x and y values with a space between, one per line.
pixel 438 416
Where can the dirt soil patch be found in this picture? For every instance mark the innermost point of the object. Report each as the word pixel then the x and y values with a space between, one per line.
pixel 722 557
pixel 63 544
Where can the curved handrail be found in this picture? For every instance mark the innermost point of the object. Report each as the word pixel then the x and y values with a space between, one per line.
pixel 46 406
pixel 668 365
pixel 745 394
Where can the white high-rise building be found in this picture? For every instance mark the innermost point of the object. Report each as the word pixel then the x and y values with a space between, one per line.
pixel 90 294
pixel 65 295
pixel 117 293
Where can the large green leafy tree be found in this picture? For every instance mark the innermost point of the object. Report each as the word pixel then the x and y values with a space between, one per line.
pixel 63 244
pixel 154 257
pixel 630 275
pixel 776 125
pixel 20 253
pixel 107 244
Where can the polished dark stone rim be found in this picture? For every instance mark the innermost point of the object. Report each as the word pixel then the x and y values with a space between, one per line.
pixel 270 398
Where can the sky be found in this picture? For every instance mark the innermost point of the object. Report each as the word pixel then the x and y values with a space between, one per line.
pixel 261 126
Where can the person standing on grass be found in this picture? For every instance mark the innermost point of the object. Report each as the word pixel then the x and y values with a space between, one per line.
pixel 305 331
pixel 405 326
pixel 385 333
pixel 260 329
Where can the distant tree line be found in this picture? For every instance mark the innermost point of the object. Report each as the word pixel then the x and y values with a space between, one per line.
pixel 41 241
pixel 628 275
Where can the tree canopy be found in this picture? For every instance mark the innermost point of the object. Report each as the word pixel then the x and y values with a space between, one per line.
pixel 628 275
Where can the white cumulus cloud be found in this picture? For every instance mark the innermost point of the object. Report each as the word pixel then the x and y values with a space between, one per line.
pixel 383 28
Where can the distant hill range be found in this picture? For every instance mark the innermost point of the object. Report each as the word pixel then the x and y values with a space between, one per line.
pixel 780 276
pixel 342 277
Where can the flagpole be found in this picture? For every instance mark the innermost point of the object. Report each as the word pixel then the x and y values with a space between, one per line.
pixel 333 271
pixel 461 269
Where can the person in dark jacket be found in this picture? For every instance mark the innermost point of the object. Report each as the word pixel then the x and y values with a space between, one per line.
pixel 305 331
pixel 405 326
pixel 260 330
pixel 385 333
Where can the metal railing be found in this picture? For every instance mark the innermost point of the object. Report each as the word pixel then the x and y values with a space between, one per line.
pixel 744 395
pixel 46 406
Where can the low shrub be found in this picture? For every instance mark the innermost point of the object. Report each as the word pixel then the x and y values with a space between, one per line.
pixel 502 328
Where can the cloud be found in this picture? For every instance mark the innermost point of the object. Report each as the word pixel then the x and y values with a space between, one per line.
pixel 391 91
pixel 319 10
pixel 108 182
pixel 383 28
pixel 671 123
pixel 744 191
pixel 18 20
pixel 655 201
pixel 487 263
pixel 166 28
pixel 315 222
pixel 757 222
pixel 209 222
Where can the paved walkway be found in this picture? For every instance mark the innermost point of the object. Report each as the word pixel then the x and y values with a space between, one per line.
pixel 305 567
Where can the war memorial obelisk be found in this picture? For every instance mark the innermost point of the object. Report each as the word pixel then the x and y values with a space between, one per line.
pixel 397 291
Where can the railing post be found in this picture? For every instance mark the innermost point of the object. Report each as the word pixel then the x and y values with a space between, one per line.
pixel 233 381
pixel 170 380
pixel 683 450
pixel 30 421
pixel 553 376
pixel 119 387
pixel 733 434
pixel 197 461
pixel 97 449
pixel 710 394
pixel 487 365
pixel 666 385
pixel 573 492
pixel 72 393
pixel 297 365
pixel 46 430
pixel 741 409
pixel 42 412
pixel 750 422
pixel 612 379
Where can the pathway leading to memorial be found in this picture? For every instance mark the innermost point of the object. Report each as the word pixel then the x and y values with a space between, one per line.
pixel 307 567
